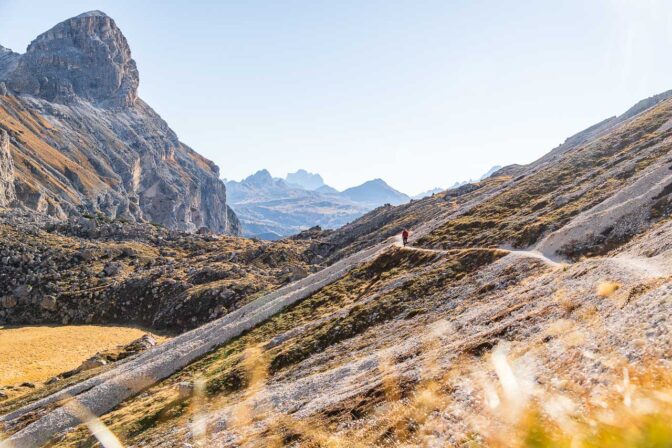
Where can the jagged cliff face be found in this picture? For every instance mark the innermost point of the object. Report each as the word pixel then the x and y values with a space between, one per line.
pixel 83 142
pixel 84 57
pixel 7 194
pixel 8 61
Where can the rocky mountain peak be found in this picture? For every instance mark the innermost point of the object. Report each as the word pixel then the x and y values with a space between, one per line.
pixel 8 61
pixel 304 179
pixel 4 51
pixel 86 57
pixel 94 13
pixel 376 191
pixel 260 178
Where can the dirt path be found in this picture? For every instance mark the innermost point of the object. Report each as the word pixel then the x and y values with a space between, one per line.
pixel 642 266
pixel 511 253
pixel 536 255
pixel 104 392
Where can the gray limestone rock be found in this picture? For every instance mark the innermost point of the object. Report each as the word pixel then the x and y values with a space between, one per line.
pixel 22 291
pixel 83 57
pixel 8 61
pixel 112 269
pixel 7 191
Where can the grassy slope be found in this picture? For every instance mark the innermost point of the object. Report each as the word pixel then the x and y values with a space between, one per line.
pixel 367 306
pixel 585 177
pixel 382 290
pixel 520 210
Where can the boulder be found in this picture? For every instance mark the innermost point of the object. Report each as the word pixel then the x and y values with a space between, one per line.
pixel 296 273
pixel 8 301
pixel 87 224
pixel 92 363
pixel 22 292
pixel 86 254
pixel 146 342
pixel 112 268
pixel 48 303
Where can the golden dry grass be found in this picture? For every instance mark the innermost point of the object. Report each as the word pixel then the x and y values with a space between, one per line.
pixel 605 289
pixel 36 354
pixel 509 408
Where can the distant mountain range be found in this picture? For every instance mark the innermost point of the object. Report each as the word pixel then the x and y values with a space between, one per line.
pixel 306 180
pixel 433 191
pixel 272 208
pixel 428 193
pixel 375 193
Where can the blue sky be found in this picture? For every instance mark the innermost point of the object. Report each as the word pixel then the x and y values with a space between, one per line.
pixel 422 93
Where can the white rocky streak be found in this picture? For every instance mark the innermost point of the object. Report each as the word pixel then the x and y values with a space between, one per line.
pixel 626 212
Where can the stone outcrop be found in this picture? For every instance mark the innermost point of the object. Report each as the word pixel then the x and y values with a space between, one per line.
pixel 83 57
pixel 84 143
pixel 7 193
pixel 8 60
pixel 461 190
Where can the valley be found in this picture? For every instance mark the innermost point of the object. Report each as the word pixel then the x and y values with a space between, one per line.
pixel 530 308
pixel 271 208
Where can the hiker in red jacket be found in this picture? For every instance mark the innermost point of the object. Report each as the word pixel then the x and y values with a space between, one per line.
pixel 404 236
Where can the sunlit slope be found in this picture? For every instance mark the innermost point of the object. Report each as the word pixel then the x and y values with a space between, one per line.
pixel 519 206
pixel 458 341
pixel 418 345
